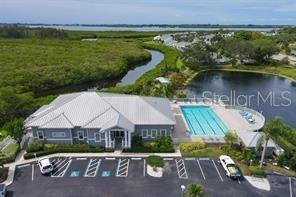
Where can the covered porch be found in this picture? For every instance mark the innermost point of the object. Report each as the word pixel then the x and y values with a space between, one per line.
pixel 118 138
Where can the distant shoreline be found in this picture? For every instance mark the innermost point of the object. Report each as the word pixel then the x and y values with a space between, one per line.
pixel 155 25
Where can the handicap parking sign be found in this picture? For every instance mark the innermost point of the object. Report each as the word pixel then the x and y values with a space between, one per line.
pixel 106 173
pixel 75 174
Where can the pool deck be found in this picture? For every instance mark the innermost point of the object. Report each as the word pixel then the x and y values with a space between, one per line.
pixel 229 115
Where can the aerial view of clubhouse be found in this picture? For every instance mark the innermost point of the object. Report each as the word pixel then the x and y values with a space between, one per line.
pixel 111 120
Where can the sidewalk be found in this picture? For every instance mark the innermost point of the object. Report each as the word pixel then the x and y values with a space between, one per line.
pixel 259 183
pixel 20 159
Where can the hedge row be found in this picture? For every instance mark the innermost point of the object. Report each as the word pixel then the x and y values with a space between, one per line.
pixel 38 150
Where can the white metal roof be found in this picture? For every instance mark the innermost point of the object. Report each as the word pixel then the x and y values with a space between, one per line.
pixel 102 110
pixel 163 80
pixel 250 138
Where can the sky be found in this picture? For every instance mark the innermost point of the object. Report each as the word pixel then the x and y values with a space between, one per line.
pixel 274 12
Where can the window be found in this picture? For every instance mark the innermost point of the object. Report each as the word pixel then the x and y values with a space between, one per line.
pixel 169 133
pixel 97 137
pixel 58 134
pixel 154 133
pixel 149 133
pixel 80 135
pixel 159 133
pixel 40 135
pixel 102 136
pixel 144 133
pixel 163 132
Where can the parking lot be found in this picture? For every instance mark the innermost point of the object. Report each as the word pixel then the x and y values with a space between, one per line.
pixel 128 177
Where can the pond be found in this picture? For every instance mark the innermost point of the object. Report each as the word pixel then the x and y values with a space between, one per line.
pixel 133 75
pixel 271 95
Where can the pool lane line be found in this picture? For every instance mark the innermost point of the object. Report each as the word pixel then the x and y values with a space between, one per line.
pixel 189 123
pixel 215 121
pixel 203 175
pixel 207 122
pixel 217 171
pixel 197 122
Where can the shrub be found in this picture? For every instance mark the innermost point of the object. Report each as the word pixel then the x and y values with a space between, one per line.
pixel 160 144
pixel 256 171
pixel 194 190
pixel 35 146
pixel 155 161
pixel 247 155
pixel 191 146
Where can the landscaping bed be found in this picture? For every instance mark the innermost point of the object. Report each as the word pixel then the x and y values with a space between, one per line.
pixel 160 144
pixel 39 148
pixel 3 174
pixel 241 156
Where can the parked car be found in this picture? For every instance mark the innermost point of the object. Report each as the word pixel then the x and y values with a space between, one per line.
pixel 45 165
pixel 2 190
pixel 230 167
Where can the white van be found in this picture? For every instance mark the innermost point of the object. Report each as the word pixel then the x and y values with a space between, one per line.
pixel 45 165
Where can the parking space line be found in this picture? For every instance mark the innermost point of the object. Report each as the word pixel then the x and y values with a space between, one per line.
pixel 217 171
pixel 204 159
pixel 32 172
pixel 122 168
pixel 136 158
pixel 290 187
pixel 81 158
pixel 61 167
pixel 181 169
pixel 168 159
pixel 110 158
pixel 24 165
pixel 144 168
pixel 189 159
pixel 92 168
pixel 203 175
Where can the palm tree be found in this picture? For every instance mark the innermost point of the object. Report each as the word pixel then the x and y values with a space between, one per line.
pixel 194 190
pixel 266 139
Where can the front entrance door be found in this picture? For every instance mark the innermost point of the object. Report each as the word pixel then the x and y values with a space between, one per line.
pixel 118 136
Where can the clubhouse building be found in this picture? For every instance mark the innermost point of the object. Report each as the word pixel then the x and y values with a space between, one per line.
pixel 101 119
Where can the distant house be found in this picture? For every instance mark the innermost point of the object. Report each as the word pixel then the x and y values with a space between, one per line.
pixel 157 38
pixel 250 139
pixel 163 80
pixel 101 119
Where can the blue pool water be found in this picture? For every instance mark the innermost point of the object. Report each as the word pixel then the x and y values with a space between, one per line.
pixel 203 121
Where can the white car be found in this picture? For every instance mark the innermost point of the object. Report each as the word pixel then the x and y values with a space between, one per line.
pixel 229 166
pixel 45 165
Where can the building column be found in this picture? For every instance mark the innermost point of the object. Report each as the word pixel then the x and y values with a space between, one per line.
pixel 125 138
pixel 129 140
pixel 109 139
pixel 106 139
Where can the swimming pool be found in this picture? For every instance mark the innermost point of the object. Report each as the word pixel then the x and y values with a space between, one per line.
pixel 202 120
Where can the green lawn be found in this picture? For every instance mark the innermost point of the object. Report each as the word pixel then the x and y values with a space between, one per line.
pixel 38 65
pixel 10 149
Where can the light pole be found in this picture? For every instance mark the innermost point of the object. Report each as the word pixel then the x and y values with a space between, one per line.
pixel 183 189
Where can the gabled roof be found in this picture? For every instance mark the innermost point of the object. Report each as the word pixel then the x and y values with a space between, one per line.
pixel 250 139
pixel 102 110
